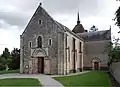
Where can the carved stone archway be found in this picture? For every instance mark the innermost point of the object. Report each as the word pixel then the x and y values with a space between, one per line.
pixel 39 61
pixel 39 53
pixel 96 63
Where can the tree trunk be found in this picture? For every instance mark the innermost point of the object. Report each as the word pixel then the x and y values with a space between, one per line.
pixel 6 66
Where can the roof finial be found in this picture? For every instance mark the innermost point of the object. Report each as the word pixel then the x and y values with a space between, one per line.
pixel 78 21
pixel 40 3
pixel 110 27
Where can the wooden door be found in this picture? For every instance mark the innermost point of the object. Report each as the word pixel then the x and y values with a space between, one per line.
pixel 41 65
pixel 96 65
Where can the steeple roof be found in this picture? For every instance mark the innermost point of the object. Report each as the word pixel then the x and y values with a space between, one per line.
pixel 78 21
pixel 78 28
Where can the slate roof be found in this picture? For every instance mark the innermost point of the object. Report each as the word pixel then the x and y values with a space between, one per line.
pixel 67 29
pixel 78 29
pixel 96 36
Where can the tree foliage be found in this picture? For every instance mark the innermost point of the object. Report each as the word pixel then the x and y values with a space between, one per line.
pixel 6 53
pixel 10 60
pixel 113 50
pixel 114 55
pixel 2 63
pixel 117 17
pixel 15 58
pixel 93 28
pixel 6 58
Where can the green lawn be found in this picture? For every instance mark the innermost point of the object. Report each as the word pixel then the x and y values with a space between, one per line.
pixel 18 82
pixel 90 79
pixel 9 71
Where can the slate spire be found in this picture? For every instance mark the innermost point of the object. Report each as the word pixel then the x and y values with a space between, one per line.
pixel 40 3
pixel 78 28
pixel 78 21
pixel 110 27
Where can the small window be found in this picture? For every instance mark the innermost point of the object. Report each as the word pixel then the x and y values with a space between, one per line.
pixel 30 44
pixel 80 47
pixel 50 41
pixel 39 22
pixel 73 43
pixel 39 42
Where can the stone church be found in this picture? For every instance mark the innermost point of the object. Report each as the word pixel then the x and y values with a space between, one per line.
pixel 48 47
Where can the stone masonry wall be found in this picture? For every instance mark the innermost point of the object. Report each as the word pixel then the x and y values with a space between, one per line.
pixel 94 49
pixel 115 67
pixel 47 29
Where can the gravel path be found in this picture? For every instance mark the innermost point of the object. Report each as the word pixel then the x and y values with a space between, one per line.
pixel 45 80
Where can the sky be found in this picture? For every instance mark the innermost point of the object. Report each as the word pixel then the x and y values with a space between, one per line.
pixel 15 15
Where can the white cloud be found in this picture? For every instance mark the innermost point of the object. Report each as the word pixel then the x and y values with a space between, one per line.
pixel 15 14
pixel 9 38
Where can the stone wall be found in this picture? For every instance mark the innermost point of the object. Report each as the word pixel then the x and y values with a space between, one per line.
pixel 115 70
pixel 48 29
pixel 95 49
pixel 60 61
pixel 78 54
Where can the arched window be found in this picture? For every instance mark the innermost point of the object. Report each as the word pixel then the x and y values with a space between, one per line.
pixel 30 44
pixel 39 22
pixel 50 41
pixel 39 42
pixel 80 47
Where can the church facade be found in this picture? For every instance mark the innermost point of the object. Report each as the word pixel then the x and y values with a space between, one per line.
pixel 48 47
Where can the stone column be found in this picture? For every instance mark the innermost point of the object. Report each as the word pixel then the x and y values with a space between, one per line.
pixel 99 65
pixel 72 60
pixel 80 62
pixel 76 59
pixel 59 56
pixel 92 65
pixel 68 60
pixel 35 65
pixel 60 53
pixel 47 65
pixel 65 53
pixel 21 54
pixel 30 66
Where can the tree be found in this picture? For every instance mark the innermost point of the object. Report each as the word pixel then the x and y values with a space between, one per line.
pixel 93 28
pixel 117 17
pixel 15 54
pixel 6 58
pixel 6 53
pixel 2 66
pixel 115 54
pixel 113 49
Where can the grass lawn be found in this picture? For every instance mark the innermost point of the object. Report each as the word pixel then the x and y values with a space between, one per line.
pixel 9 71
pixel 90 79
pixel 17 82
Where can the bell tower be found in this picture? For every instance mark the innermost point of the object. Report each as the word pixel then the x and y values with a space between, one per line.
pixel 78 28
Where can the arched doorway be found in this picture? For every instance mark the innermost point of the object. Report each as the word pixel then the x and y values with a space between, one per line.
pixel 96 63
pixel 40 64
pixel 37 62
